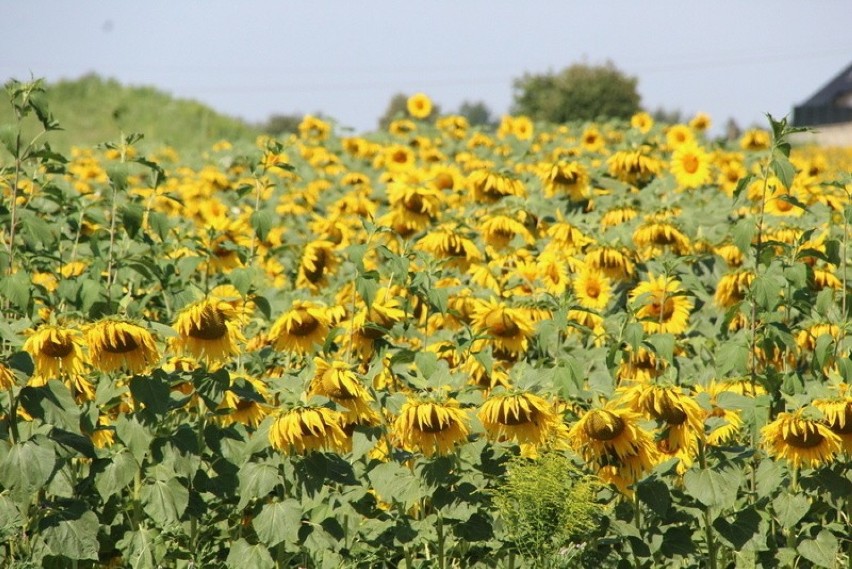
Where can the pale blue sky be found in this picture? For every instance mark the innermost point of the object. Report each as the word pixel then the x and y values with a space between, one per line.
pixel 253 58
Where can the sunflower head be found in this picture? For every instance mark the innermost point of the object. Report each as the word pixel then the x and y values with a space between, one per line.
pixel 208 330
pixel 799 440
pixel 121 344
pixel 524 417
pixel 662 306
pixel 306 429
pixel 419 106
pixel 430 427
pixel 301 328
pixel 56 351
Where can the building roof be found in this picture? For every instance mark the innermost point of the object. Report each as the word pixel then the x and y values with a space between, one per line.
pixel 828 105
pixel 827 96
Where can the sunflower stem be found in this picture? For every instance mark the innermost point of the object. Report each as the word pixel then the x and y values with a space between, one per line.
pixel 708 522
pixel 794 489
pixel 442 562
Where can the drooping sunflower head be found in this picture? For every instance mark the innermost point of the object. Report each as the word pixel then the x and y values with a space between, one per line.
pixel 430 427
pixel 56 351
pixel 665 403
pixel 208 330
pixel 654 237
pixel 524 418
pixel 509 328
pixel 733 287
pixel 637 166
pixel 246 403
pixel 662 306
pixel 566 178
pixel 306 429
pixel 799 440
pixel 318 262
pixel 301 328
pixel 490 187
pixel 837 416
pixel 120 344
pixel 615 262
pixel 7 378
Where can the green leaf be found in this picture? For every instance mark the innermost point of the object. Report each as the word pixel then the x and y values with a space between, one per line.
pixel 655 494
pixel 53 404
pixel 766 290
pixel 768 477
pixel 783 169
pixel 279 521
pixel 731 356
pixel 821 551
pixel 677 540
pixel 27 466
pixel 257 480
pixel 131 218
pixel 743 234
pixel 790 508
pixel 17 288
pixel 744 527
pixel 742 184
pixel 159 222
pixel 634 333
pixel 152 392
pixel 75 538
pixel 143 548
pixel 242 554
pixel 262 221
pixel 117 474
pixel 164 500
pixel 716 489
pixel 135 437
pixel 36 230
pixel 663 345
pixel 395 483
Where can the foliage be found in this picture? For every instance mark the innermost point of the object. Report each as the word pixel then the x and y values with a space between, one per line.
pixel 477 113
pixel 579 92
pixel 278 125
pixel 406 349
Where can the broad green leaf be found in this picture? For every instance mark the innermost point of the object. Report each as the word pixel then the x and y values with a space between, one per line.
pixel 262 221
pixel 35 230
pixel 823 349
pixel 257 480
pixel 744 527
pixel 75 538
pixel 731 356
pixel 17 288
pixel 279 521
pixel 164 500
pixel 743 234
pixel 790 508
pixel 677 540
pixel 242 554
pixel 634 334
pixel 663 345
pixel 143 548
pixel 395 483
pixel 821 551
pixel 152 392
pixel 27 466
pixel 53 404
pixel 134 435
pixel 159 222
pixel 716 489
pixel 654 493
pixel 768 477
pixel 766 290
pixel 783 169
pixel 131 218
pixel 117 475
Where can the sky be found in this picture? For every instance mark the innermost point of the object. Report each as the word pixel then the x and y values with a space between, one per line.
pixel 255 58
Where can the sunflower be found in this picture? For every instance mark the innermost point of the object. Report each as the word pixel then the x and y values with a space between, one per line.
pixel 566 178
pixel 419 106
pixel 415 206
pixel 755 139
pixel 509 328
pixel 56 351
pixel 679 414
pixel 449 243
pixel 7 378
pixel 524 418
pixel 636 167
pixel 642 121
pixel 337 381
pixel 500 230
pixel 800 440
pixel 618 215
pixel 662 306
pixel 690 165
pixel 614 262
pixel 733 287
pixel 592 140
pixel 655 237
pixel 119 344
pixel 305 429
pixel 837 416
pixel 304 326
pixel 678 135
pixel 611 440
pixel 592 288
pixel 723 424
pixel 318 261
pixel 490 187
pixel 240 405
pixel 209 330
pixel 640 366
pixel 430 427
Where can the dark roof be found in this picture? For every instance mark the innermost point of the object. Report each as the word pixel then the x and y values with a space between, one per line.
pixel 829 94
pixel 822 107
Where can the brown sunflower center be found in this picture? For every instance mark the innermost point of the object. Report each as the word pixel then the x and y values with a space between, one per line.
pixel 400 157
pixel 436 424
pixel 57 349
pixel 665 309
pixel 306 327
pixel 315 274
pixel 501 325
pixel 515 417
pixel 593 288
pixel 603 425
pixel 669 412
pixel 444 181
pixel 846 429
pixel 211 326
pixel 804 438
pixel 414 203
pixel 565 178
pixel 122 344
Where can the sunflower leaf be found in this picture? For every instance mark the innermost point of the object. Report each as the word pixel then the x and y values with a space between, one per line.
pixel 279 521
pixel 790 508
pixel 821 551
pixel 243 554
pixel 53 404
pixel 117 475
pixel 715 489
pixel 165 500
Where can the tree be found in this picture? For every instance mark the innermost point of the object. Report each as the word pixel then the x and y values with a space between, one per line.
pixel 396 108
pixel 578 92
pixel 277 124
pixel 477 113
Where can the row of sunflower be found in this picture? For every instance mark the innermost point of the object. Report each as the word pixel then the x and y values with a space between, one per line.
pixel 324 350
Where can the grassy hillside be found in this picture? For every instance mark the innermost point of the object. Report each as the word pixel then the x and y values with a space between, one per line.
pixel 92 110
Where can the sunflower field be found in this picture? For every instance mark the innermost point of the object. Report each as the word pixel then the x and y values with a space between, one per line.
pixel 604 344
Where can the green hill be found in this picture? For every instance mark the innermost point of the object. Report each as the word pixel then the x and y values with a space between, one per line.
pixel 92 110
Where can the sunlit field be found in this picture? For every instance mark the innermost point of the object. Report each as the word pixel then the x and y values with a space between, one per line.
pixel 612 344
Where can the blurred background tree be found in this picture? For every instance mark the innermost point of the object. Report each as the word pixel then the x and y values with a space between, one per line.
pixel 477 113
pixel 579 92
pixel 279 124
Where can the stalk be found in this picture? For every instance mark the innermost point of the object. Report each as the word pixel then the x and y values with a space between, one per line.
pixel 709 536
